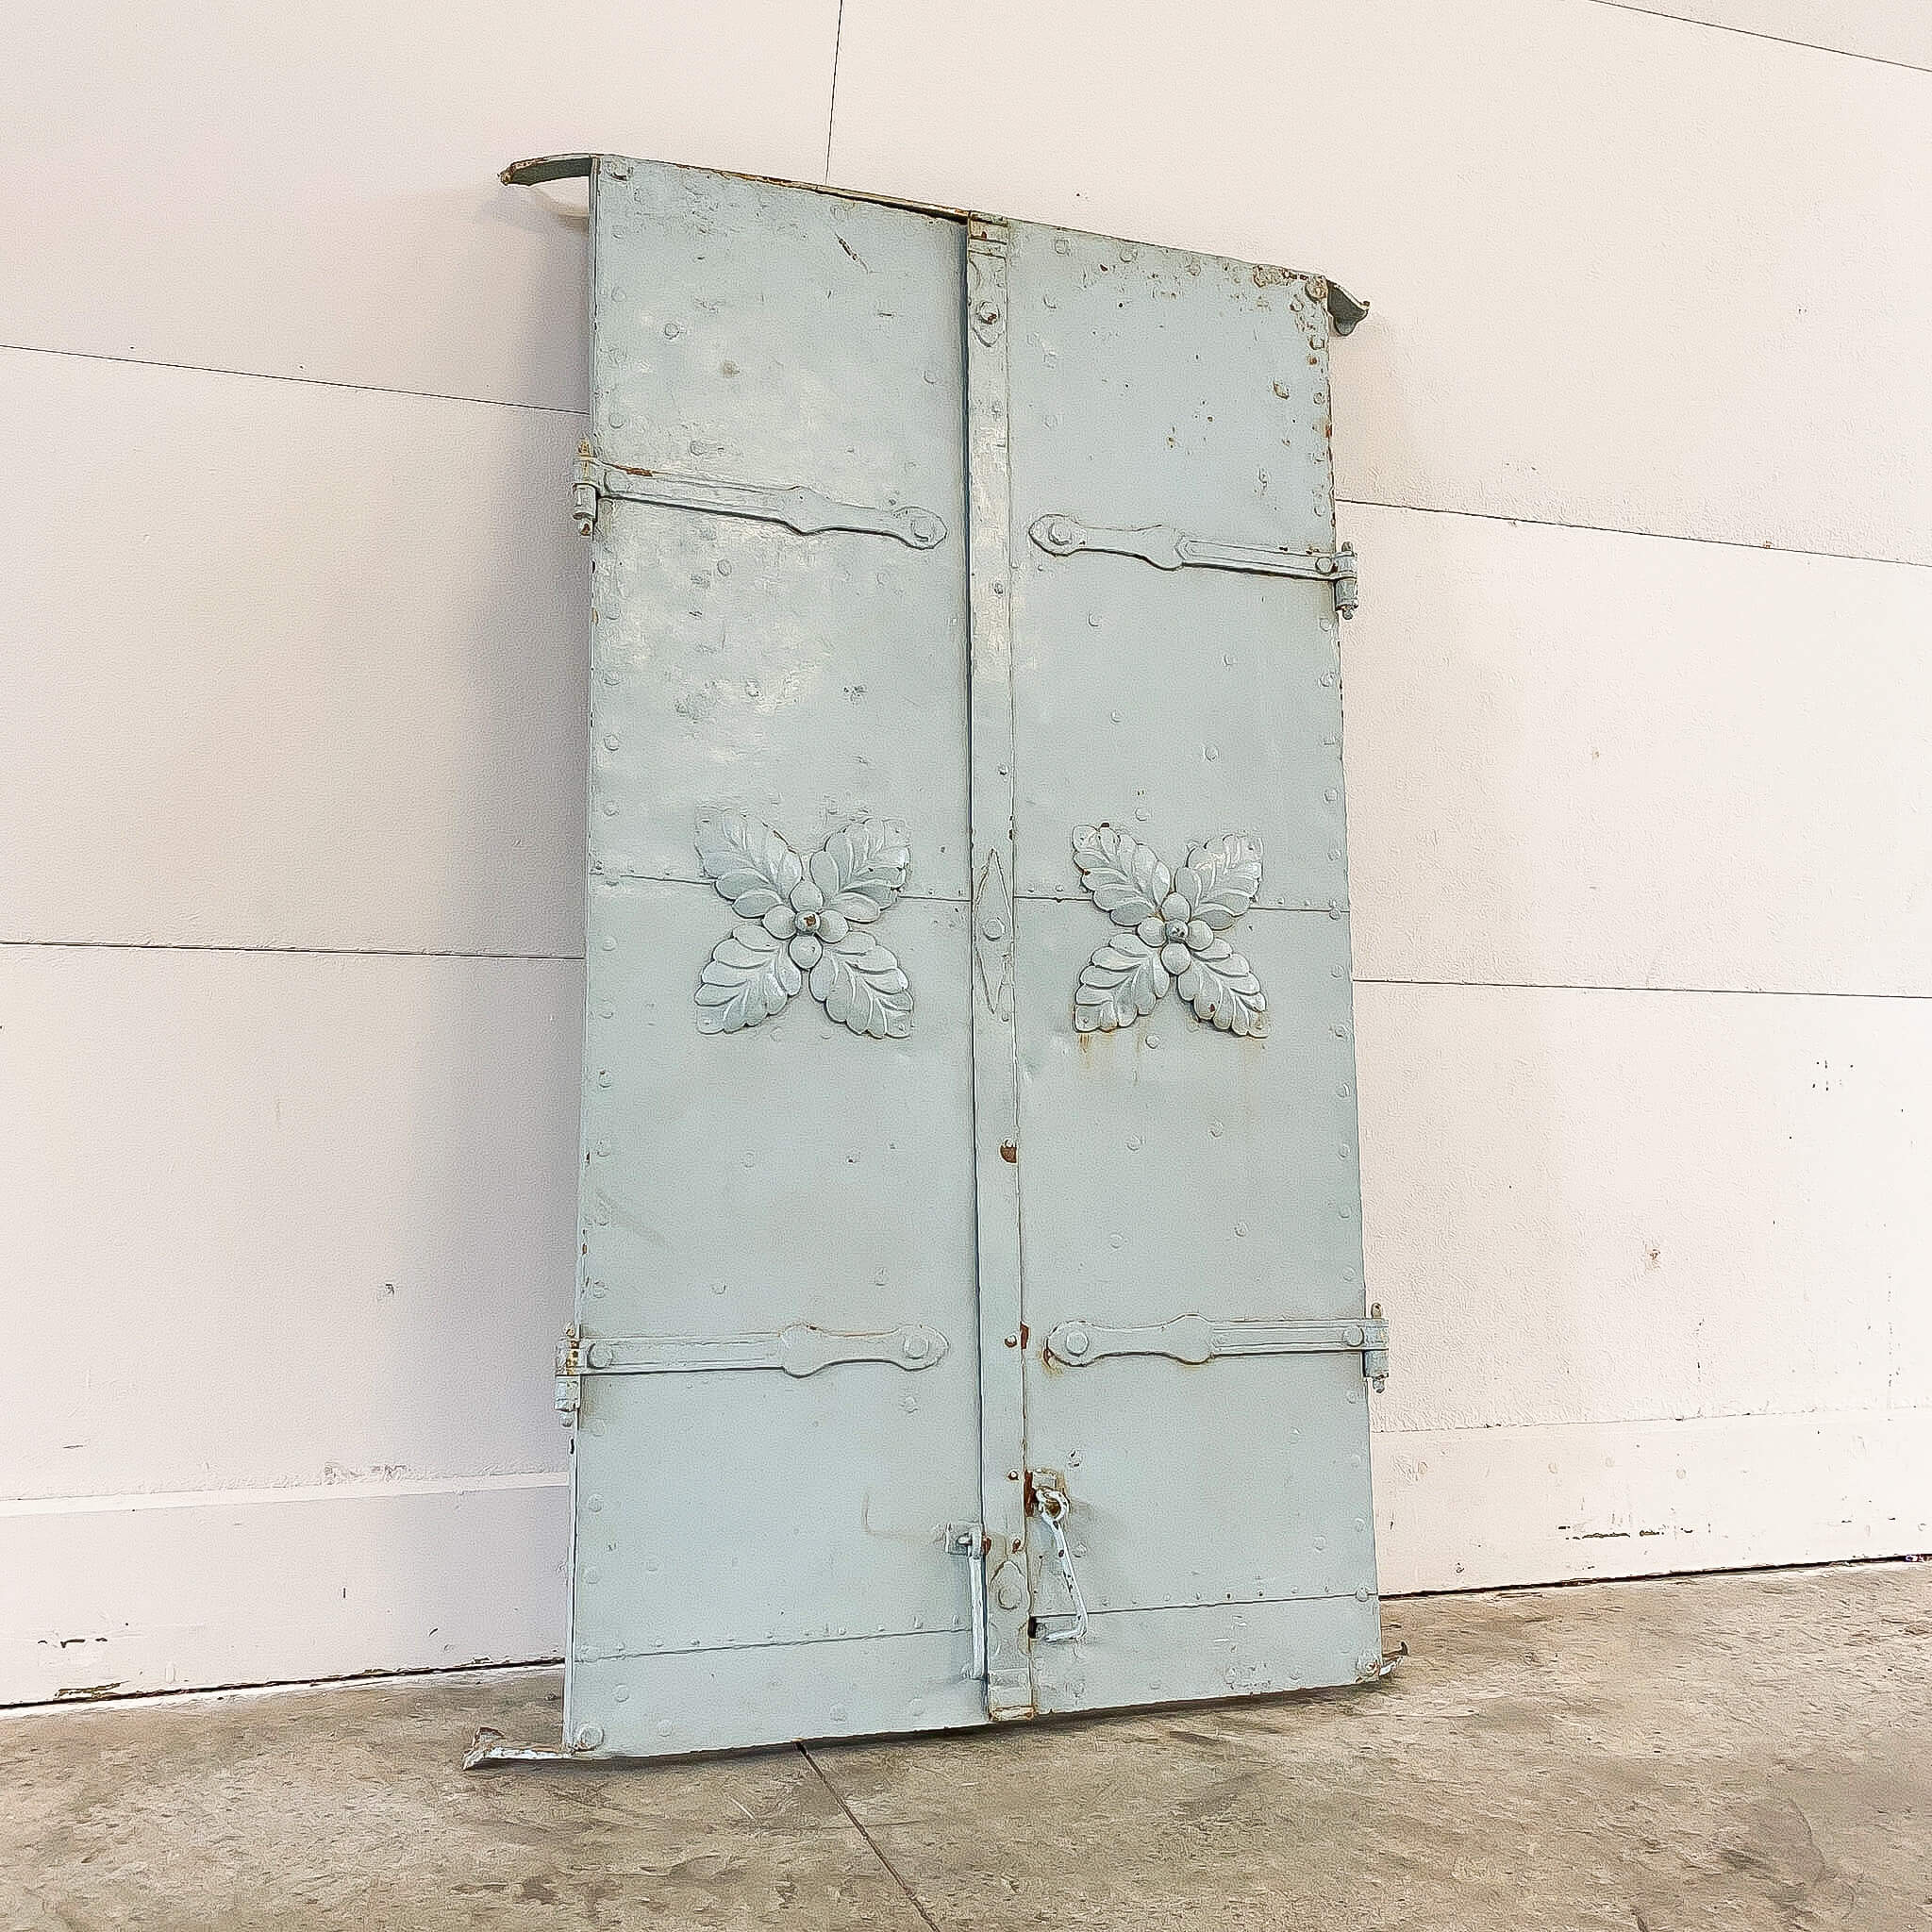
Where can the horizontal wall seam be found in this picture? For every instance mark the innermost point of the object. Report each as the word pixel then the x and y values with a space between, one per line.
pixel 1774 992
pixel 1499 516
pixel 372 389
pixel 294 952
pixel 1753 33
pixel 1729 992
pixel 359 1491
pixel 1819 1416
pixel 426 395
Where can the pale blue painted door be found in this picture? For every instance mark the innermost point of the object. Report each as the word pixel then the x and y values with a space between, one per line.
pixel 970 1317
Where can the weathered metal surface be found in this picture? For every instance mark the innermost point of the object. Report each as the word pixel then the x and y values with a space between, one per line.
pixel 835 682
pixel 1202 1154
pixel 762 1555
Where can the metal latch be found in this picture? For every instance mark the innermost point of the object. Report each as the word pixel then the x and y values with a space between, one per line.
pixel 798 509
pixel 1167 548
pixel 968 1540
pixel 1051 1505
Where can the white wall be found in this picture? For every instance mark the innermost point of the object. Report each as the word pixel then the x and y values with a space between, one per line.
pixel 1636 447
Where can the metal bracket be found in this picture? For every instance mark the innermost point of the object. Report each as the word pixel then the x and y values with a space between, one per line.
pixel 1167 548
pixel 797 508
pixel 799 1350
pixel 1196 1338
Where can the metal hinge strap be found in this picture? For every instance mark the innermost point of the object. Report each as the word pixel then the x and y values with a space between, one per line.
pixel 797 508
pixel 1196 1338
pixel 1167 548
pixel 799 1350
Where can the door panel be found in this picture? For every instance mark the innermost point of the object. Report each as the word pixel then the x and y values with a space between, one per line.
pixel 761 1536
pixel 1172 1168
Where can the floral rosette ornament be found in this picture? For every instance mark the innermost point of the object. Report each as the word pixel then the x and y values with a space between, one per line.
pixel 1172 925
pixel 806 923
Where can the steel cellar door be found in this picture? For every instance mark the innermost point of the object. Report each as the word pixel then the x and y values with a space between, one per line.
pixel 970 1319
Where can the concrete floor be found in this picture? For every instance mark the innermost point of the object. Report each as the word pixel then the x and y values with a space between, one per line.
pixel 1732 1751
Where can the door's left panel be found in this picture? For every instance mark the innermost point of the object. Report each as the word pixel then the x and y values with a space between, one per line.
pixel 762 1554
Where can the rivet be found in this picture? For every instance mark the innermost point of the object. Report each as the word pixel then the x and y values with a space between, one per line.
pixel 1330 795
pixel 1211 754
pixel 1140 814
pixel 1154 1039
pixel 1214 1128
pixel 611 677
pixel 1361 1525
pixel 612 740
pixel 1228 659
pixel 596 1503
pixel 916 1346
pixel 621 1694
pixel 604 1078
pixel 724 566
pixel 1075 1341
pixel 1353 1335
pixel 1134 1144
pixel 670 328
pixel 589 1737
pixel 1361 1593
pixel 610 808
pixel 1240 1228
pixel 594 1574
pixel 1114 1240
pixel 1115 716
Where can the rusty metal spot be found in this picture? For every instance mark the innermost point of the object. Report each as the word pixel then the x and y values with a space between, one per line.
pixel 1009 1152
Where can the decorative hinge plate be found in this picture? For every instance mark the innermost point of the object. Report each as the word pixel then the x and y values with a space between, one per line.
pixel 797 1350
pixel 1167 548
pixel 797 508
pixel 1196 1338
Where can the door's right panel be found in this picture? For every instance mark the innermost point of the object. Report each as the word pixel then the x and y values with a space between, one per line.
pixel 1219 1521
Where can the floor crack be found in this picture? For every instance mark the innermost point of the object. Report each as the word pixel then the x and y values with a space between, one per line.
pixel 872 1844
